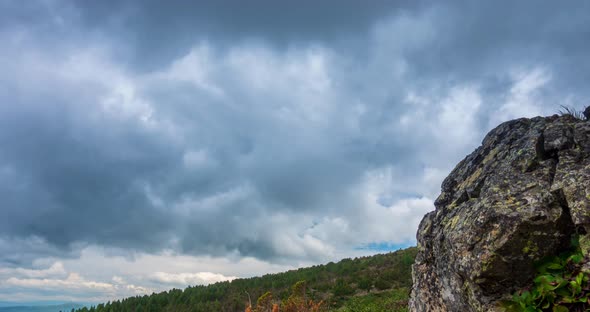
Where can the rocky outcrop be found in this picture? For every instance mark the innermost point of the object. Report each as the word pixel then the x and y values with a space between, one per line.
pixel 516 199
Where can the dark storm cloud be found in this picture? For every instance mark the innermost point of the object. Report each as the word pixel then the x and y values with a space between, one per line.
pixel 262 129
pixel 67 175
pixel 477 39
pixel 303 19
pixel 147 27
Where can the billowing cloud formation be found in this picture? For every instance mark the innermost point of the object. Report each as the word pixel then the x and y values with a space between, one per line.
pixel 55 283
pixel 99 275
pixel 285 133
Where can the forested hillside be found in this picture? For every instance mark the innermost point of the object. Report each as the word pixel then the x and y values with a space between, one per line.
pixel 375 283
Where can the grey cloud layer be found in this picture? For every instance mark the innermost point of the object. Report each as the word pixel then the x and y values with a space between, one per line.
pixel 283 23
pixel 268 130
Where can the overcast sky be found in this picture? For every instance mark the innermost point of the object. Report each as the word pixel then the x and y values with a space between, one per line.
pixel 146 145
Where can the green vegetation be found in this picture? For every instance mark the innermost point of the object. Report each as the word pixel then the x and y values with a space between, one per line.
pixel 561 285
pixel 375 283
pixel 393 300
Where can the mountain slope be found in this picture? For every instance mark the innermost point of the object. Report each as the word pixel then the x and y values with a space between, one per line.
pixel 380 281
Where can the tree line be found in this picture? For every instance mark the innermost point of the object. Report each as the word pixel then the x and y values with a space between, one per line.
pixel 327 287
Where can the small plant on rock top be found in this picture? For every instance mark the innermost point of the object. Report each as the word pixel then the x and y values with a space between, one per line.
pixel 569 111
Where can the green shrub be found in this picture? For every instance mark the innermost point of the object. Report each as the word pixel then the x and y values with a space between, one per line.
pixel 395 300
pixel 561 285
pixel 382 284
pixel 342 288
pixel 365 283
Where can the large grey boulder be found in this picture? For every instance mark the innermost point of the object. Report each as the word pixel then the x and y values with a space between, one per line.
pixel 517 198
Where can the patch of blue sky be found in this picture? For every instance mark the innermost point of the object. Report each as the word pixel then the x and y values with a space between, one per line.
pixel 385 246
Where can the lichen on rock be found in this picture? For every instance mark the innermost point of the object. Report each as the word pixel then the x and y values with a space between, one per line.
pixel 516 199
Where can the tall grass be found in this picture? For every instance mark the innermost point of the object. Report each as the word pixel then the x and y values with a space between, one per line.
pixel 570 111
